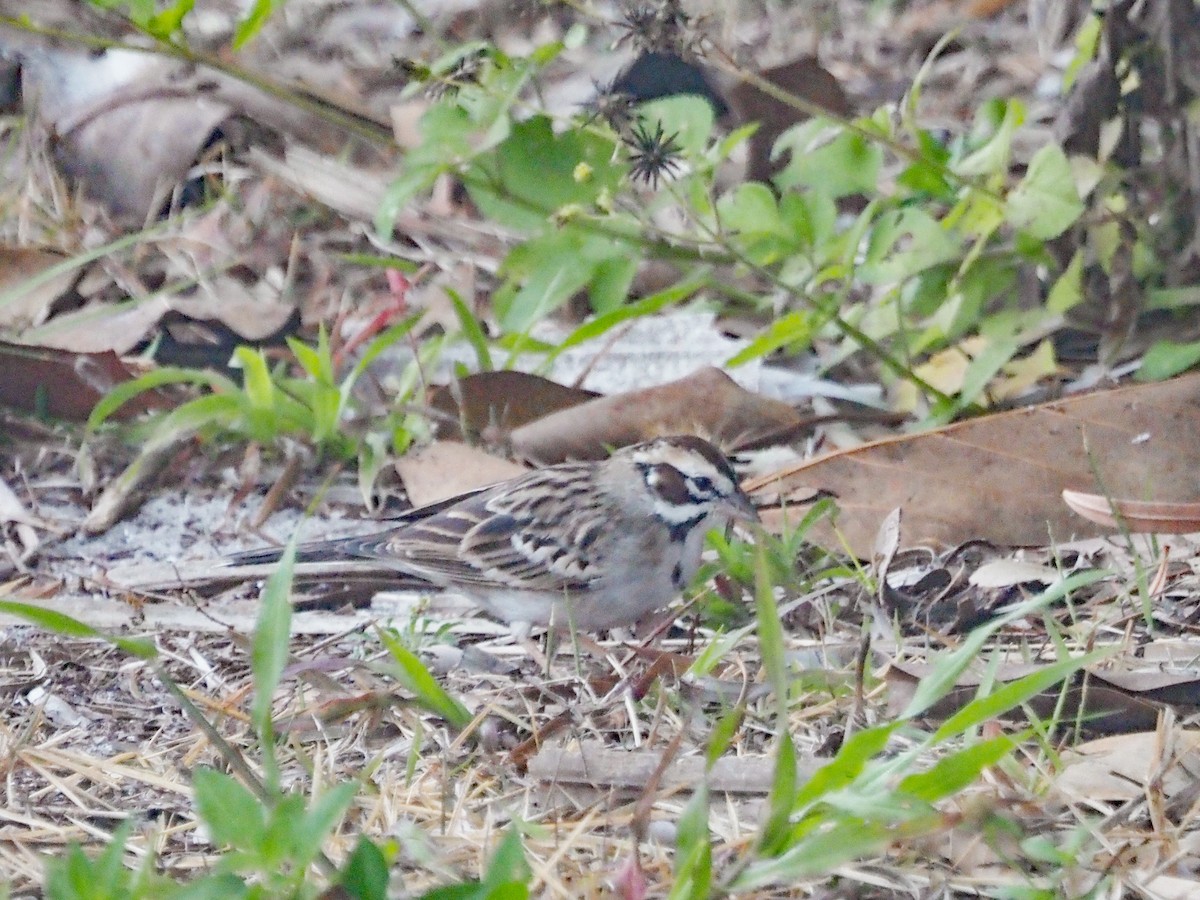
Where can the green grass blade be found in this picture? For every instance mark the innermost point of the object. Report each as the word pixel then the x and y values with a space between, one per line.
pixel 946 673
pixel 1015 693
pixel 269 652
pixel 60 623
pixel 411 672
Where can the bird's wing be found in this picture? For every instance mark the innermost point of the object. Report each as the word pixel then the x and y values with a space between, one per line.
pixel 370 545
pixel 513 535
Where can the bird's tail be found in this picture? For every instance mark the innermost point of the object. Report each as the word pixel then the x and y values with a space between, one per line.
pixel 313 552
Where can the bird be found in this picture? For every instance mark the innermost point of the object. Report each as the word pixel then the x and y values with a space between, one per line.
pixel 589 546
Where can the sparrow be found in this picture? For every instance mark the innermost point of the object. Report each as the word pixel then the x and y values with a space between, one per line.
pixel 580 545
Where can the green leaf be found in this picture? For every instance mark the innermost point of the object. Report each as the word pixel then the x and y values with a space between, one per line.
pixel 313 828
pixel 817 854
pixel 212 887
pixel 790 329
pixel 990 360
pixel 770 636
pixel 284 814
pixel 126 391
pixel 693 848
pixel 1165 359
pixel 76 877
pixel 926 176
pixel 557 272
pixel 1067 290
pixel 534 174
pixel 723 731
pixel 226 410
pixel 269 651
pixel 1013 694
pixel 308 358
pixel 507 868
pixel 257 383
pixel 828 157
pixel 774 835
pixel 957 771
pixel 448 138
pixel 411 672
pixel 63 624
pixel 166 23
pixel 546 271
pixel 995 125
pixel 1045 202
pixel 414 180
pixel 849 763
pixel 610 279
pixel 686 119
pixel 598 325
pixel 366 874
pixel 253 22
pixel 751 208
pixel 472 332
pixel 378 344
pixel 809 219
pixel 233 815
pixel 904 242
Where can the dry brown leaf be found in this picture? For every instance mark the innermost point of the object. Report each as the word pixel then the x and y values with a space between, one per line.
pixel 708 403
pixel 129 125
pixel 1120 767
pixel 29 286
pixel 120 328
pixel 101 327
pixel 502 400
pixel 1000 478
pixel 805 78
pixel 447 468
pixel 64 385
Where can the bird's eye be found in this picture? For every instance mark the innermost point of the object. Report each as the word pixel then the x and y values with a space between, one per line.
pixel 703 484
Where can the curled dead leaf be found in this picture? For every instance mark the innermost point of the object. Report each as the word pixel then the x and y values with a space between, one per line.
pixel 1139 516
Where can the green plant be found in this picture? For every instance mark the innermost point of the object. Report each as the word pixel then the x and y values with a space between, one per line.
pixel 272 837
pixel 271 404
pixel 866 800
pixel 928 262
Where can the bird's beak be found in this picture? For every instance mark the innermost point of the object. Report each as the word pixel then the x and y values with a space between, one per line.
pixel 740 508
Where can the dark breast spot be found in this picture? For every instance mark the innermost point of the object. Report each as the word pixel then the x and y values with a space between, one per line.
pixel 677 576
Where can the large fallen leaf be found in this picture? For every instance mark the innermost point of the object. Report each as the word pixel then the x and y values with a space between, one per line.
pixel 1000 478
pixel 503 399
pixel 129 125
pixel 216 320
pixel 64 385
pixel 708 402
